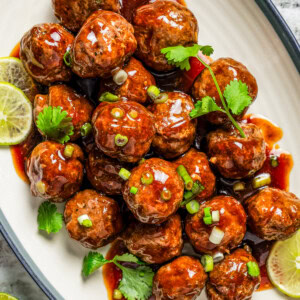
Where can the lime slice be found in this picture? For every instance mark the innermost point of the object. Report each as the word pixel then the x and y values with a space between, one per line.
pixel 15 115
pixel 283 266
pixel 12 71
pixel 4 296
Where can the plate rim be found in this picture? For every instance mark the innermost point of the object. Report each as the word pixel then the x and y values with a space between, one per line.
pixel 292 46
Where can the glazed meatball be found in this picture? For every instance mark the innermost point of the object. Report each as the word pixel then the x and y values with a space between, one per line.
pixel 42 51
pixel 182 279
pixel 236 157
pixel 163 24
pixel 155 244
pixel 104 214
pixel 159 191
pixel 52 174
pixel 273 214
pixel 123 130
pixel 102 45
pixel 135 87
pixel 72 14
pixel 226 70
pixel 103 172
pixel 175 131
pixel 197 165
pixel 77 107
pixel 229 280
pixel 232 222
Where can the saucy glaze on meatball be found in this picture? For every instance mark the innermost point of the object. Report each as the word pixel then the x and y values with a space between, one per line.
pixel 42 51
pixel 102 45
pixel 123 130
pixel 273 214
pixel 226 70
pixel 175 131
pixel 232 222
pixel 163 24
pixel 236 157
pixel 229 280
pixel 155 244
pixel 159 191
pixel 197 165
pixel 182 279
pixel 52 175
pixel 104 213
pixel 77 107
pixel 72 14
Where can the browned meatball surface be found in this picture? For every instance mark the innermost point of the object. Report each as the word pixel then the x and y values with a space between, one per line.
pixel 155 244
pixel 163 24
pixel 236 157
pixel 102 45
pixel 175 131
pixel 182 279
pixel 226 70
pixel 159 196
pixel 42 50
pixel 135 87
pixel 229 280
pixel 104 213
pixel 77 107
pixel 232 222
pixel 273 214
pixel 123 130
pixel 52 175
pixel 103 172
pixel 197 165
pixel 72 14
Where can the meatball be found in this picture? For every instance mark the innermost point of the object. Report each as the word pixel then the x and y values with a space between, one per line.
pixel 197 166
pixel 159 191
pixel 135 87
pixel 155 244
pixel 104 214
pixel 273 214
pixel 175 131
pixel 236 157
pixel 232 222
pixel 123 130
pixel 102 45
pixel 42 51
pixel 226 70
pixel 103 172
pixel 163 24
pixel 52 174
pixel 229 280
pixel 72 14
pixel 182 279
pixel 77 107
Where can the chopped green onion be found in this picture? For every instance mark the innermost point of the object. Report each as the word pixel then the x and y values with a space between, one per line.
pixel 216 236
pixel 120 77
pixel 261 180
pixel 162 98
pixel 108 97
pixel 68 152
pixel 215 215
pixel 188 195
pixel 206 211
pixel 239 186
pixel 217 257
pixel 86 129
pixel 207 262
pixel 85 221
pixel 117 294
pixel 121 140
pixel 197 188
pixel 253 269
pixel 166 194
pixel 147 178
pixel 188 182
pixel 193 207
pixel 133 190
pixel 274 161
pixel 124 174
pixel 133 114
pixel 117 113
pixel 67 58
pixel 142 161
pixel 207 220
pixel 153 92
pixel 41 187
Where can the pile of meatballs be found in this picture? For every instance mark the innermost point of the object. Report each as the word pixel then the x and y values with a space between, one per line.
pixel 149 140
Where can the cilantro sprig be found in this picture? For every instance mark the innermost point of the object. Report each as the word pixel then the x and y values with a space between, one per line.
pixel 55 124
pixel 136 284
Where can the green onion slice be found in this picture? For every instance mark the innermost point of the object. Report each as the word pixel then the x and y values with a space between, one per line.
pixel 193 207
pixel 147 178
pixel 67 58
pixel 153 92
pixel 261 180
pixel 133 190
pixel 85 221
pixel 124 174
pixel 108 97
pixel 188 182
pixel 68 152
pixel 121 140
pixel 86 129
pixel 208 263
pixel 253 269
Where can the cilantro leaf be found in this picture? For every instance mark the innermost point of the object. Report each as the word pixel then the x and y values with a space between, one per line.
pixel 55 124
pixel 92 262
pixel 237 96
pixel 205 106
pixel 48 218
pixel 207 50
pixel 127 257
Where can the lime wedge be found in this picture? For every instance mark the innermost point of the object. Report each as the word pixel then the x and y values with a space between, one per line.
pixel 12 71
pixel 15 115
pixel 4 296
pixel 283 266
